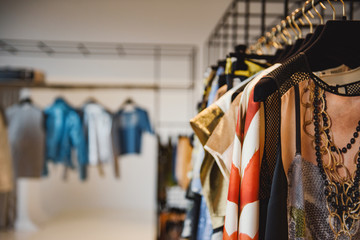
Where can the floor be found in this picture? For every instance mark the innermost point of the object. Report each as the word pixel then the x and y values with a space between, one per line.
pixel 92 225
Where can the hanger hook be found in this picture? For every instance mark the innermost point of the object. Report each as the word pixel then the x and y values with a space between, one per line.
pixel 282 35
pixel 317 12
pixel 306 17
pixel 344 12
pixel 294 21
pixel 285 32
pixel 289 20
pixel 332 7
pixel 275 42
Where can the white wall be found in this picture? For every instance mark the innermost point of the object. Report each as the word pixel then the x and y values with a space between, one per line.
pixel 156 21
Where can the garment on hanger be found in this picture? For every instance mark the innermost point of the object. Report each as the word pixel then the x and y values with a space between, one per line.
pixel 312 202
pixel 27 138
pixel 183 162
pixel 214 186
pixel 130 125
pixel 6 169
pixel 98 126
pixel 245 168
pixel 221 140
pixel 64 132
pixel 7 180
pixel 215 86
pixel 165 169
pixel 207 89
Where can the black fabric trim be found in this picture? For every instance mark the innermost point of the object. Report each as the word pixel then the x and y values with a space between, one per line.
pixel 297 119
pixel 219 229
pixel 264 88
pixel 335 89
pixel 277 225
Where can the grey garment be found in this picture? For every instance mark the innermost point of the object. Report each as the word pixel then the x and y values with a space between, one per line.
pixel 98 124
pixel 27 139
pixel 308 216
pixel 101 137
pixel 7 210
pixel 6 170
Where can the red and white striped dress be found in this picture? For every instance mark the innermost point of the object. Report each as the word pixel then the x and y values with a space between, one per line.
pixel 242 210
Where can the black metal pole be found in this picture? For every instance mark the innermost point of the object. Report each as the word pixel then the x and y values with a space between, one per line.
pixel 235 23
pixel 286 8
pixel 351 15
pixel 263 16
pixel 247 21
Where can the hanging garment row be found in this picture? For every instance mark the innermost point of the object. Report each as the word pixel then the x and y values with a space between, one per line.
pixel 174 165
pixel 98 136
pixel 276 152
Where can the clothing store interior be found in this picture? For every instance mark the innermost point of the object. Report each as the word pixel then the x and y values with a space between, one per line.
pixel 168 120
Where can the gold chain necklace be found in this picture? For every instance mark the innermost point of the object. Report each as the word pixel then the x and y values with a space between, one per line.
pixel 341 193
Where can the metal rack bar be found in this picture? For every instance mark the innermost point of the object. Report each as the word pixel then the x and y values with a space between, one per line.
pixel 263 14
pixel 247 21
pixel 66 48
pixel 286 8
pixel 95 86
pixel 235 24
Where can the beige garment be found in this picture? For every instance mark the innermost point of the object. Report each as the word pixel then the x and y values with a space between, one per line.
pixel 6 171
pixel 214 186
pixel 221 142
pixel 344 119
pixel 183 162
pixel 220 92
pixel 205 122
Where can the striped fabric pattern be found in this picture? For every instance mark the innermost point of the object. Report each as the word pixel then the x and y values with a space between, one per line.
pixel 242 210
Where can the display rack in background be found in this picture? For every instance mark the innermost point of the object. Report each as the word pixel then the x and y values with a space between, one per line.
pixel 102 50
pixel 244 21
pixel 10 86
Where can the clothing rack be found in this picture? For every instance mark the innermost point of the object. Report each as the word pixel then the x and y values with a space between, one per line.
pixel 108 51
pixel 96 86
pixel 228 32
pixel 54 48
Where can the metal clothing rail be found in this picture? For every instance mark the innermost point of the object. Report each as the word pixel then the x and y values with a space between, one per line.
pixel 228 33
pixel 104 50
pixel 68 86
pixel 93 49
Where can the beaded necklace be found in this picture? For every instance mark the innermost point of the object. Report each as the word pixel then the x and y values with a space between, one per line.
pixel 342 193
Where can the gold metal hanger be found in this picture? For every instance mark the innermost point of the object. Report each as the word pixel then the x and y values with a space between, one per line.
pixel 285 33
pixel 317 12
pixel 274 39
pixel 294 22
pixel 344 12
pixel 289 20
pixel 332 7
pixel 306 17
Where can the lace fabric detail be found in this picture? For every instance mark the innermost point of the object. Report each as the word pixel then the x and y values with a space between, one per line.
pixel 308 216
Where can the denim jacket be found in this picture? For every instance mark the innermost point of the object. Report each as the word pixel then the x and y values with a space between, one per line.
pixel 64 132
pixel 130 126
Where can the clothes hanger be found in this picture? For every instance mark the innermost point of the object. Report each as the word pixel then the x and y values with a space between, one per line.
pixel 288 41
pixel 129 100
pixel 239 54
pixel 276 43
pixel 337 44
pixel 93 100
pixel 221 63
pixel 298 35
pixel 310 39
pixel 309 35
pixel 25 96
